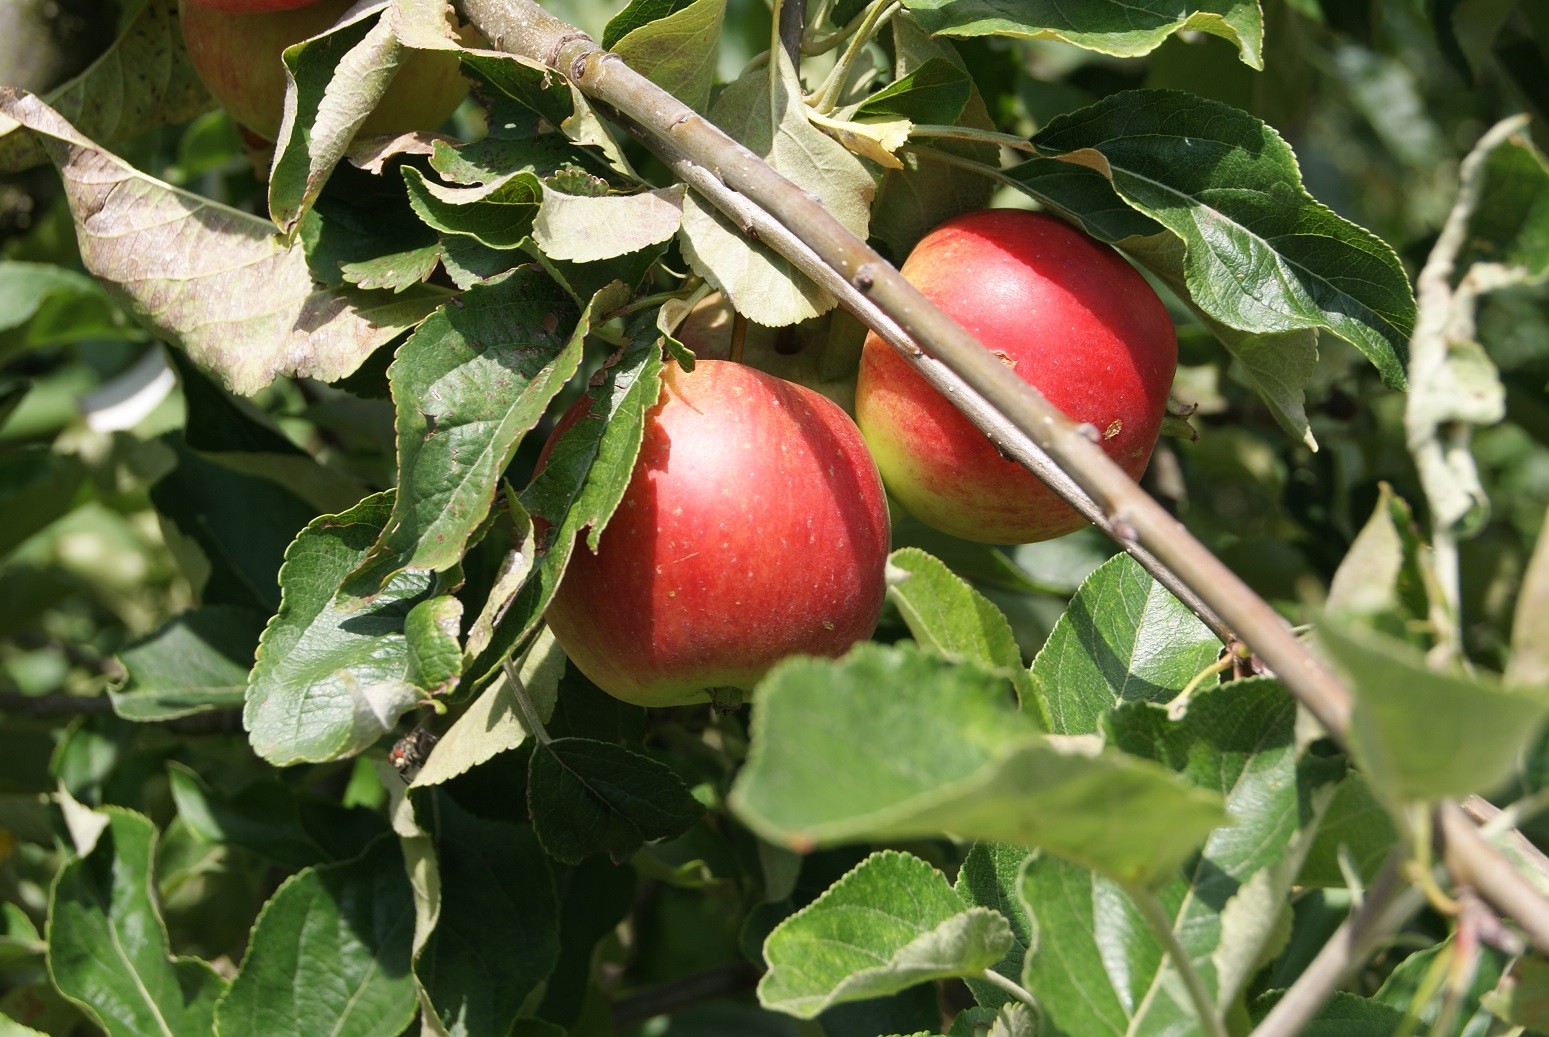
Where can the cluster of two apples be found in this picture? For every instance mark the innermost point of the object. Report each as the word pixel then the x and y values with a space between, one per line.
pixel 235 47
pixel 755 525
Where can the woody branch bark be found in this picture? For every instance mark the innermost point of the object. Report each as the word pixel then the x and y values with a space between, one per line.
pixel 1013 413
pixel 1026 425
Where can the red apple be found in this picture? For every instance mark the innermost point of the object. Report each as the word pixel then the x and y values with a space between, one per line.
pixel 754 527
pixel 1069 316
pixel 237 56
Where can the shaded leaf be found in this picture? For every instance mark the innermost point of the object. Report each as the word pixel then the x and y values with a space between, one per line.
pixel 1123 28
pixel 142 81
pixel 588 797
pixel 197 661
pixel 496 934
pixel 37 486
pixel 1382 577
pixel 1123 638
pixel 107 945
pixel 1357 829
pixel 586 475
pixel 498 214
pixel 891 923
pixel 1530 623
pixel 1522 995
pixel 291 827
pixel 330 681
pixel 329 953
pixel 210 279
pixel 990 877
pixel 1510 223
pixel 894 743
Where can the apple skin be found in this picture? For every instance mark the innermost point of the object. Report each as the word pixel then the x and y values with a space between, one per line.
pixel 237 57
pixel 754 527
pixel 1069 316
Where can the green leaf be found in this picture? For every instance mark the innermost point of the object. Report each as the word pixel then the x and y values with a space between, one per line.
pixel 1510 223
pixel 1346 1015
pixel 339 78
pixel 1123 638
pixel 1261 255
pixel 291 827
pixel 25 287
pixel 1419 734
pixel 676 51
pixel 1099 969
pixel 1529 663
pixel 934 92
pixel 990 877
pixel 1412 988
pixel 468 385
pixel 210 279
pixel 329 681
pixel 107 946
pixel 913 200
pixel 196 662
pixel 764 111
pixel 492 724
pixel 1356 828
pixel 586 229
pixel 588 797
pixel 496 935
pixel 1381 580
pixel 142 81
pixel 1122 28
pixel 498 214
pixel 37 486
pixel 1522 995
pixel 891 923
pixel 949 617
pixel 586 475
pixel 892 743
pixel 240 523
pixel 637 14
pixel 329 953
pixel 432 629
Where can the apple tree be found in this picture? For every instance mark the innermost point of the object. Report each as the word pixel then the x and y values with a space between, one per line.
pixel 289 497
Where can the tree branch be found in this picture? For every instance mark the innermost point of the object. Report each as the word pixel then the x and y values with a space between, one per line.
pixel 1389 903
pixel 685 992
pixel 672 129
pixel 1473 861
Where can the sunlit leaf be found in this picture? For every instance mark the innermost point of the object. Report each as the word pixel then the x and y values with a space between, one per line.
pixel 891 923
pixel 107 945
pixel 210 279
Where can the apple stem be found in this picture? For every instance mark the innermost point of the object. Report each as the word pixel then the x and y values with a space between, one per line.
pixel 526 709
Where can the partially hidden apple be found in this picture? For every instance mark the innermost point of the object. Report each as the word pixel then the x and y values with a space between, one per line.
pixel 236 54
pixel 754 527
pixel 1066 314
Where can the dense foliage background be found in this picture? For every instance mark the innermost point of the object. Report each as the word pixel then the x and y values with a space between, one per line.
pixel 166 868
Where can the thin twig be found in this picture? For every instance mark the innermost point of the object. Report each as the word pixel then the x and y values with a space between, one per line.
pixel 1474 862
pixel 678 994
pixel 522 27
pixel 1388 904
pixel 1445 316
pixel 1007 438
